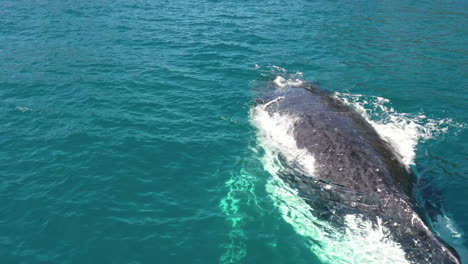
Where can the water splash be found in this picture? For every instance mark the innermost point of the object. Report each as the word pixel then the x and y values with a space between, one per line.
pixel 403 131
pixel 276 136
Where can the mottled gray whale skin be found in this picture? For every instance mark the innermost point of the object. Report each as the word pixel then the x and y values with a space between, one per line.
pixel 356 171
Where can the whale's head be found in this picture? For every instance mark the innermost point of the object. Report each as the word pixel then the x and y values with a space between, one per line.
pixel 273 89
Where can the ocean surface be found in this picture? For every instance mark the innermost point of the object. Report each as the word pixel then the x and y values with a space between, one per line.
pixel 129 133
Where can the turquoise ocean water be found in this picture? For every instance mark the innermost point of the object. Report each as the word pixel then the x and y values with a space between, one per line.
pixel 127 133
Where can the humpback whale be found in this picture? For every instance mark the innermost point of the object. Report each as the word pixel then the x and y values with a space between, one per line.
pixel 356 171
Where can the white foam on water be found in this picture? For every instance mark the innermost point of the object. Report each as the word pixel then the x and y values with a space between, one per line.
pixel 276 132
pixel 282 82
pixel 448 228
pixel 283 77
pixel 449 231
pixel 359 242
pixel 23 108
pixel 403 131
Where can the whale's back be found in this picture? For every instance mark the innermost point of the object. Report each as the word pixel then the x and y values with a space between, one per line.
pixel 356 172
pixel 348 150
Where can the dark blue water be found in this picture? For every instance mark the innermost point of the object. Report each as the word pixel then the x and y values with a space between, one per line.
pixel 126 132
